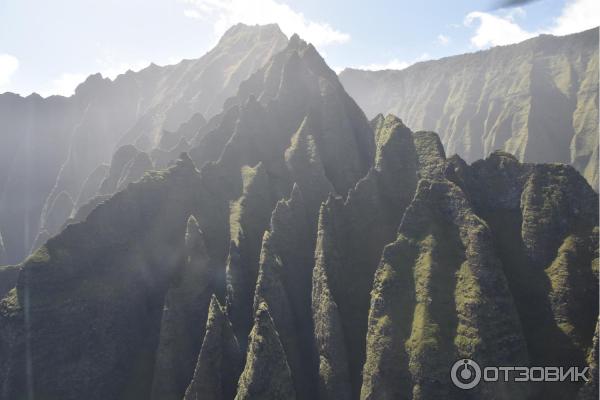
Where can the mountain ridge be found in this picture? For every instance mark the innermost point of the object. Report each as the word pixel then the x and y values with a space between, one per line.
pixel 49 146
pixel 537 99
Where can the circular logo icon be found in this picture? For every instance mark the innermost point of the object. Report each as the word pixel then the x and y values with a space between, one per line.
pixel 465 374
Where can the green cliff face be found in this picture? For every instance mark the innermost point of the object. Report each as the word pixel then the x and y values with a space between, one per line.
pixel 439 295
pixel 266 375
pixel 328 257
pixel 537 100
pixel 546 236
pixel 249 217
pixel 183 318
pixel 284 284
pixel 220 360
pixel 354 232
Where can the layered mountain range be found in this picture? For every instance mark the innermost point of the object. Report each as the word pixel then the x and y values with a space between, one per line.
pixel 297 250
pixel 52 149
pixel 537 100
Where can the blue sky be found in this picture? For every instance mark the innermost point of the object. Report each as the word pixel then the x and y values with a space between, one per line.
pixel 50 46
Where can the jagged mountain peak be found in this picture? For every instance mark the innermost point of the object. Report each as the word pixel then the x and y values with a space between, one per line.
pixel 298 63
pixel 235 32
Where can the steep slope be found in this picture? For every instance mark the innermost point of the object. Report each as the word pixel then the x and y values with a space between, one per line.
pixel 49 146
pixel 496 262
pixel 544 219
pixel 537 100
pixel 439 295
pixel 95 296
pixel 267 374
pixel 183 318
pixel 219 362
pixel 350 238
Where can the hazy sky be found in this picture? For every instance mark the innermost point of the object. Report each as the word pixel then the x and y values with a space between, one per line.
pixel 51 46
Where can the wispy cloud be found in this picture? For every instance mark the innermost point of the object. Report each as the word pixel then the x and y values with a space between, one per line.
pixel 8 66
pixel 224 13
pixel 443 39
pixel 576 16
pixel 495 29
pixel 394 63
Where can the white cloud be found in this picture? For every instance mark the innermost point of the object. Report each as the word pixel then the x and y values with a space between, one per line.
pixel 495 30
pixel 224 13
pixel 8 66
pixel 443 39
pixel 394 63
pixel 576 16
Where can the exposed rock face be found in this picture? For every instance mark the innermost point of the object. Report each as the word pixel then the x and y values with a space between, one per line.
pixel 537 100
pixel 220 360
pixel 352 259
pixel 266 374
pixel 52 145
